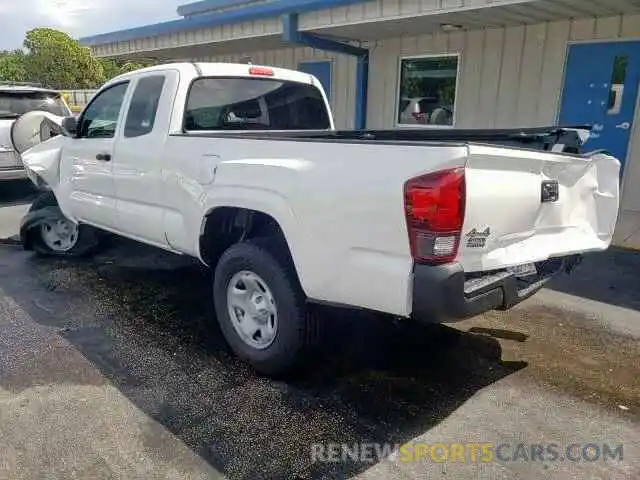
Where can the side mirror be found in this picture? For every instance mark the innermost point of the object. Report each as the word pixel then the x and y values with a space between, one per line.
pixel 70 126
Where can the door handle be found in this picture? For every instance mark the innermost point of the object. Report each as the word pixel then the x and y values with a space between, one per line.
pixel 624 125
pixel 103 157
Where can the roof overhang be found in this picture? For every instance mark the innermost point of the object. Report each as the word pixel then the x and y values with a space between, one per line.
pixel 252 11
pixel 223 33
pixel 213 6
pixel 472 17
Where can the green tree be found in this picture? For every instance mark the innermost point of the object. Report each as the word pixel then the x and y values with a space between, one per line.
pixel 56 60
pixel 132 66
pixel 12 66
pixel 112 68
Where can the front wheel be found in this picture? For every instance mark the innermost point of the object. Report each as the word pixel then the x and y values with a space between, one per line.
pixel 48 232
pixel 260 306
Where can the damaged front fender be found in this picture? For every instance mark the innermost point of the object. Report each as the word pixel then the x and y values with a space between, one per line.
pixel 38 138
pixel 42 162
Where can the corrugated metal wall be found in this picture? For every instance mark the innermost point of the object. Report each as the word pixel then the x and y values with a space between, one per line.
pixel 509 76
pixel 224 33
pixel 343 88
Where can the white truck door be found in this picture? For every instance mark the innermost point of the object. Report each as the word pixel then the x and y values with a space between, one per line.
pixel 87 160
pixel 138 166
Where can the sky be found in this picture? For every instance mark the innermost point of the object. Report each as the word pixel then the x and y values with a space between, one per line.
pixel 79 18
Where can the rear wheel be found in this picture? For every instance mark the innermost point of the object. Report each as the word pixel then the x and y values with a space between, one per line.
pixel 260 306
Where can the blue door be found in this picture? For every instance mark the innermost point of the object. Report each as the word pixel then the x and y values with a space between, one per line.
pixel 601 90
pixel 322 71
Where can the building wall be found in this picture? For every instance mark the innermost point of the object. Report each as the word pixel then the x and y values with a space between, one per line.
pixel 219 34
pixel 343 88
pixel 508 76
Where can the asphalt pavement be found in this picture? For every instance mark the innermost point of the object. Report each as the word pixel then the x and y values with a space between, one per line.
pixel 113 367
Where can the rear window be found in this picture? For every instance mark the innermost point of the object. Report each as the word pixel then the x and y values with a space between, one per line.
pixel 14 104
pixel 254 104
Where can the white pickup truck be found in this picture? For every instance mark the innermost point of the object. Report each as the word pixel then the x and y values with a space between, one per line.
pixel 240 166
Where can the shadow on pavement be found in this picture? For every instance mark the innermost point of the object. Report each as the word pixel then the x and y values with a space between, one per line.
pixel 610 277
pixel 145 320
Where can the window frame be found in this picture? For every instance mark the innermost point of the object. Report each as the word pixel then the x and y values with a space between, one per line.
pixel 183 120
pixel 396 108
pixel 130 103
pixel 94 99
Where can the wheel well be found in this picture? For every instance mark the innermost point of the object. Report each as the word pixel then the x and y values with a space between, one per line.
pixel 225 226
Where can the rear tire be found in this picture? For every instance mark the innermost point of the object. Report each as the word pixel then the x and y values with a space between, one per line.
pixel 261 307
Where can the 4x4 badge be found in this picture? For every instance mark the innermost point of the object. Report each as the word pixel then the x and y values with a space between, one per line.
pixel 476 239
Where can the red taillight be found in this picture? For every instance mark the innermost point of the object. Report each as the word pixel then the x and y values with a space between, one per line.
pixel 268 72
pixel 434 208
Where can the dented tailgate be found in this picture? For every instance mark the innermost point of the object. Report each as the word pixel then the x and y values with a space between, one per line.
pixel 525 206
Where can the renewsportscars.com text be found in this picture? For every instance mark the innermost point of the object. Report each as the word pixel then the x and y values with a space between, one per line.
pixel 468 452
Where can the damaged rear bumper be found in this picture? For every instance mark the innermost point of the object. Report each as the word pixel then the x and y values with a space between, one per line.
pixel 446 292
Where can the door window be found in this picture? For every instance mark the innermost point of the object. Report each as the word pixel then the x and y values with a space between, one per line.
pixel 100 119
pixel 144 106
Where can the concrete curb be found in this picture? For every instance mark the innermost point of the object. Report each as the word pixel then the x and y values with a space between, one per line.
pixel 626 246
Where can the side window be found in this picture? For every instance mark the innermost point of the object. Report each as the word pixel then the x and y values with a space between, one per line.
pixel 144 106
pixel 100 119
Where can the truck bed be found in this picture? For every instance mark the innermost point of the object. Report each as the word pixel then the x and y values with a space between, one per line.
pixel 540 138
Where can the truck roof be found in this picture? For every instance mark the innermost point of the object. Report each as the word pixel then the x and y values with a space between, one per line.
pixel 217 69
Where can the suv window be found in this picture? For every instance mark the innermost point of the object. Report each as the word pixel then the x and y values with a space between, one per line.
pixel 144 106
pixel 15 103
pixel 254 104
pixel 100 118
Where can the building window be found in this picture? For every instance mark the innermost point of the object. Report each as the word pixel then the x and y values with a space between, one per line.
pixel 427 90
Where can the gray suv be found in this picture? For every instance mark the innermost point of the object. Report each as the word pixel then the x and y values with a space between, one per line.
pixel 16 100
